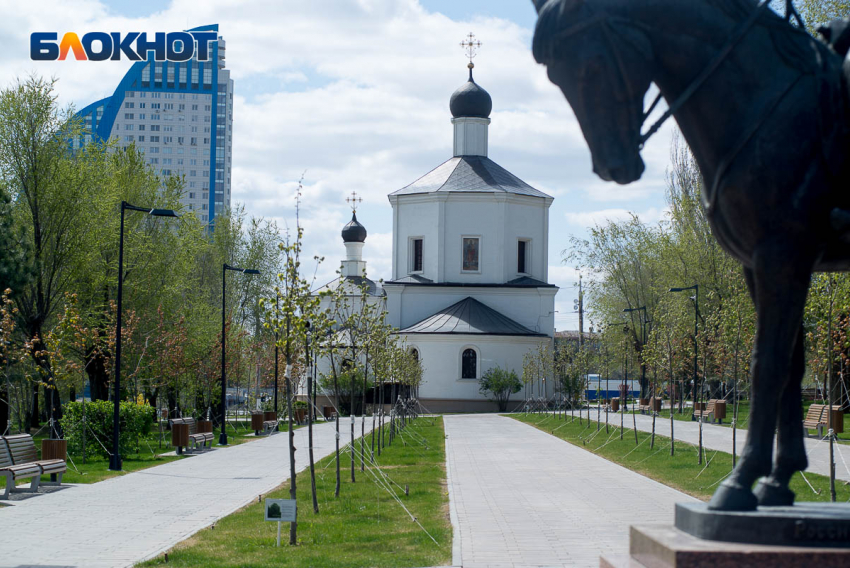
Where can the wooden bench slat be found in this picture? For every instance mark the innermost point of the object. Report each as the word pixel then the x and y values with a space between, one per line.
pixel 20 449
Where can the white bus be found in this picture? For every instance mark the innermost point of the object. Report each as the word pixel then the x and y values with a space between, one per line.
pixel 598 387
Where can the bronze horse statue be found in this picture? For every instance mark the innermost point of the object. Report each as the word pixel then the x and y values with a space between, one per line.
pixel 763 107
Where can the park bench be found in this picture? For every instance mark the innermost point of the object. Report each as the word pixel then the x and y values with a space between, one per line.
pixel 188 437
pixel 265 421
pixel 649 405
pixel 817 419
pixel 19 459
pixel 715 410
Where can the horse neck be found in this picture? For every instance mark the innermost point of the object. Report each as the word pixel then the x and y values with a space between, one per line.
pixel 686 37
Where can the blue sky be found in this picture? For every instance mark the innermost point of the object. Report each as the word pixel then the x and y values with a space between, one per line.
pixel 355 93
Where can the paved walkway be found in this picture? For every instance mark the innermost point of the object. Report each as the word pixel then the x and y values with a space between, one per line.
pixel 521 497
pixel 132 518
pixel 717 437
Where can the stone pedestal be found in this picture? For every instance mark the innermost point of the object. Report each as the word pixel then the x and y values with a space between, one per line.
pixel 802 536
pixel 667 547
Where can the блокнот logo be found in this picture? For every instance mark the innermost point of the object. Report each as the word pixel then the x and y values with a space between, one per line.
pixel 100 46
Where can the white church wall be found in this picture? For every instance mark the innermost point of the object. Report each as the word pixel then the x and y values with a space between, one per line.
pixel 532 307
pixel 441 360
pixel 443 219
pixel 419 218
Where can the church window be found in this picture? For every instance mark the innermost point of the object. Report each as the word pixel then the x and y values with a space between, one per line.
pixel 471 252
pixel 417 255
pixel 469 364
pixel 521 253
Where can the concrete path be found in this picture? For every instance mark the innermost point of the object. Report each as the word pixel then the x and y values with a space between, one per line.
pixel 716 437
pixel 125 520
pixel 523 498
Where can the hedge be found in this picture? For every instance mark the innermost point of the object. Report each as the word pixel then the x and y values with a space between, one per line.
pixel 135 421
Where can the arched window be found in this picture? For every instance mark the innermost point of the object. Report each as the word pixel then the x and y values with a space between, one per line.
pixel 469 364
pixel 415 353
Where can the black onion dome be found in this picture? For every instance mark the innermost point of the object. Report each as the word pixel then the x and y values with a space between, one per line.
pixel 470 100
pixel 354 232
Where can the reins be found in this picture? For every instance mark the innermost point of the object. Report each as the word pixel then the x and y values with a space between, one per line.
pixel 721 56
pixel 739 33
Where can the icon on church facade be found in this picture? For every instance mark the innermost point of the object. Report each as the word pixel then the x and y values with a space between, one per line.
pixel 470 253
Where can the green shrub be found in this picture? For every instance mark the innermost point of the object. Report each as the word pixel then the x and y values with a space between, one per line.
pixel 500 384
pixel 135 421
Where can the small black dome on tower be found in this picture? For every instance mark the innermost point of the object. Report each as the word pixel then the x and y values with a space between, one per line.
pixel 470 100
pixel 354 232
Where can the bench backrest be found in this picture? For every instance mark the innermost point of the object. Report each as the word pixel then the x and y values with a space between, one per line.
pixel 5 456
pixel 193 426
pixel 22 448
pixel 815 413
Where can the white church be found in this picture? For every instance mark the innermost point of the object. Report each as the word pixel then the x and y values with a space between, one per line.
pixel 469 288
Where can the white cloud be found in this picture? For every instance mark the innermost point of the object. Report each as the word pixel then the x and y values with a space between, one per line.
pixel 589 219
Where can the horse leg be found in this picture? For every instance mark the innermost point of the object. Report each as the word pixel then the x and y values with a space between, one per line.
pixel 778 283
pixel 790 451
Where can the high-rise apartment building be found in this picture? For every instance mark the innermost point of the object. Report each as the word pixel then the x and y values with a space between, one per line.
pixel 180 115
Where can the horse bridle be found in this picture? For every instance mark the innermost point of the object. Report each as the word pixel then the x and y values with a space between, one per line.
pixel 603 19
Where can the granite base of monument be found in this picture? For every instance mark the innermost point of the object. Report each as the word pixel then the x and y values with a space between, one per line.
pixel 805 535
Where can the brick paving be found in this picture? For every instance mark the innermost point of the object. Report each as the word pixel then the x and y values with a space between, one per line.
pixel 128 519
pixel 524 498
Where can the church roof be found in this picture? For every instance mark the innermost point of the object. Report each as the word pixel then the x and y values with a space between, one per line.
pixel 354 232
pixel 469 316
pixel 475 174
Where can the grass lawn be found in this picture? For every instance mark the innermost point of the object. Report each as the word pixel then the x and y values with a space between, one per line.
pixel 363 527
pixel 680 471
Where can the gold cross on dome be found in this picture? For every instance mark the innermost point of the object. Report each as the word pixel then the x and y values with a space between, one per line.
pixel 470 45
pixel 353 200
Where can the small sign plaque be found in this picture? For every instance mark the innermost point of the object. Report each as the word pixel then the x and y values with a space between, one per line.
pixel 281 510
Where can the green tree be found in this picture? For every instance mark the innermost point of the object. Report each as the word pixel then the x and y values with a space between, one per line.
pixel 499 384
pixel 51 188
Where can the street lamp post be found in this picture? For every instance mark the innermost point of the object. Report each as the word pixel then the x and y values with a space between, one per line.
pixel 222 438
pixel 115 458
pixel 695 298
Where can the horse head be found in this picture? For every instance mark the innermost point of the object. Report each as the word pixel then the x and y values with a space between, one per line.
pixel 602 66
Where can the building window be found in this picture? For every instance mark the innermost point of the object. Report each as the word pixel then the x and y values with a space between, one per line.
pixel 469 364
pixel 471 252
pixel 417 255
pixel 522 257
pixel 415 354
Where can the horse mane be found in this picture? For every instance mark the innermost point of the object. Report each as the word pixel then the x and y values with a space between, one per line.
pixel 794 45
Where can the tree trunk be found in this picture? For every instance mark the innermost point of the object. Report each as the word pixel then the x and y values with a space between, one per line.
pixel 336 492
pixel 352 446
pixel 5 423
pixel 34 422
pixel 336 396
pixel 311 415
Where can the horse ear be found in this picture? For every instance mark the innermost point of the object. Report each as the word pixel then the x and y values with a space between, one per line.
pixel 634 36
